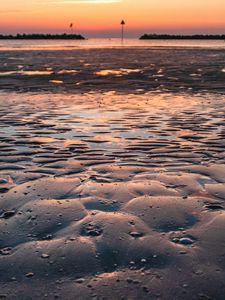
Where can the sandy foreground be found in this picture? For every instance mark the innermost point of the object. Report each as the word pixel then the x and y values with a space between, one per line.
pixel 112 194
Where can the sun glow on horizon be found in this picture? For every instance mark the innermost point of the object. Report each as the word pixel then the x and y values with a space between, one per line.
pixel 102 17
pixel 83 1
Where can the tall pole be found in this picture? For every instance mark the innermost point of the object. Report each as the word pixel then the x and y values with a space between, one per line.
pixel 122 30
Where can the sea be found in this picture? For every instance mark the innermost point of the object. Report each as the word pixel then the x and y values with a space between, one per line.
pixel 105 43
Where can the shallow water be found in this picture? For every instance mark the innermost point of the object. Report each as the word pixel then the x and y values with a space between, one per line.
pixel 112 196
pixel 105 43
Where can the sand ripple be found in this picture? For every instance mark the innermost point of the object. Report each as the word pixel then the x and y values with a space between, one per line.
pixel 106 196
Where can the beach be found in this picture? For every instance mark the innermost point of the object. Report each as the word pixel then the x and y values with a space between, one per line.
pixel 112 176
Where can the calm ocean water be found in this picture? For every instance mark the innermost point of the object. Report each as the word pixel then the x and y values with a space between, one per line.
pixel 105 43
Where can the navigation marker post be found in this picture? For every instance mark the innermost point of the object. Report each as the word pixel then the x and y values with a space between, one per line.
pixel 122 30
pixel 71 28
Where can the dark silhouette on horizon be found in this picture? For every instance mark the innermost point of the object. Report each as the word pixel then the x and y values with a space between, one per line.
pixel 40 36
pixel 182 37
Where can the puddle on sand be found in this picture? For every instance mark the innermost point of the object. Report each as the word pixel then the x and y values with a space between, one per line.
pixel 118 72
pixel 56 81
pixel 67 72
pixel 49 71
pixel 27 73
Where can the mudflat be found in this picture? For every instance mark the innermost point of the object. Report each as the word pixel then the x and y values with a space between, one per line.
pixel 112 177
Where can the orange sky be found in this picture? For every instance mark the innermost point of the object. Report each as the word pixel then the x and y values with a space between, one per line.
pixel 102 17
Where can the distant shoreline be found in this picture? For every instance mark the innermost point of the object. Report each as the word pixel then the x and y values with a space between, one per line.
pixel 63 36
pixel 181 37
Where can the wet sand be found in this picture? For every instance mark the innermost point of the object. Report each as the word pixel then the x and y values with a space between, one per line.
pixel 128 70
pixel 111 194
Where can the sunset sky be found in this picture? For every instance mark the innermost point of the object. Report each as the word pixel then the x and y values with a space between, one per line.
pixel 101 18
